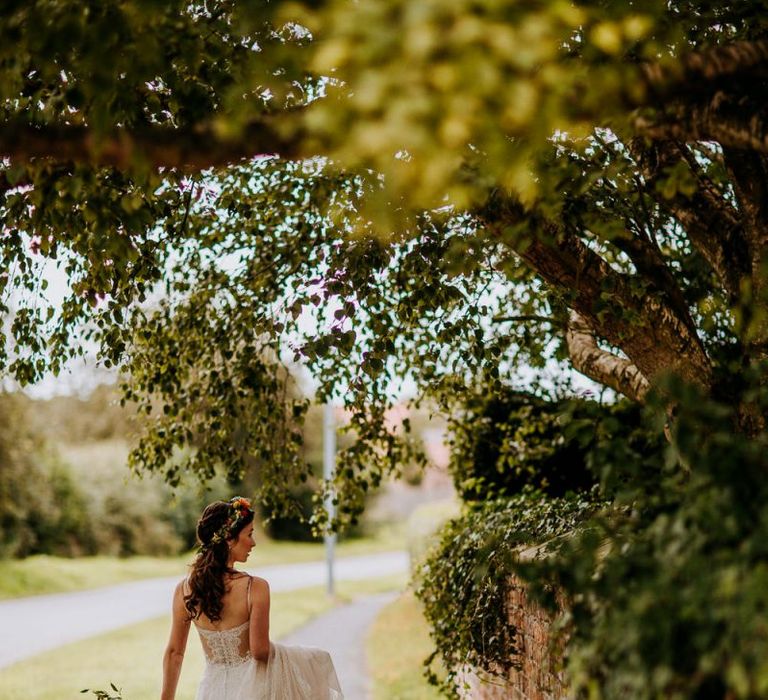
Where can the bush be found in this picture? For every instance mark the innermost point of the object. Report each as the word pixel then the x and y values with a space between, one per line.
pixel 42 509
pixel 668 592
pixel 293 525
pixel 665 585
pixel 66 530
pixel 504 443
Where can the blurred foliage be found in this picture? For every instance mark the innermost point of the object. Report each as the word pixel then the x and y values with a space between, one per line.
pixel 295 523
pixel 666 590
pixel 78 447
pixel 79 419
pixel 439 142
pixel 42 508
pixel 65 491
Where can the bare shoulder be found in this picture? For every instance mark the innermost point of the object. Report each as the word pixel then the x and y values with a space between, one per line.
pixel 239 580
pixel 179 602
pixel 259 585
pixel 181 588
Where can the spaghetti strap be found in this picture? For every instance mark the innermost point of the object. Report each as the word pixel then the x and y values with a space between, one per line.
pixel 248 594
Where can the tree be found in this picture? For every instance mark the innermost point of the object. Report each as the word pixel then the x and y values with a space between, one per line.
pixel 438 191
pixel 587 158
pixel 619 214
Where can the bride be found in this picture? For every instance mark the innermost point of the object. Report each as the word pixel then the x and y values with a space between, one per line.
pixel 230 610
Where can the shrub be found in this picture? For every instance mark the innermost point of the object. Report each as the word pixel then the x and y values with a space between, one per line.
pixel 42 508
pixel 505 442
pixel 665 584
pixel 293 525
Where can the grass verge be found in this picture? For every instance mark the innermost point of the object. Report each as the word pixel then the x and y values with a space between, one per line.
pixel 131 657
pixel 397 644
pixel 45 574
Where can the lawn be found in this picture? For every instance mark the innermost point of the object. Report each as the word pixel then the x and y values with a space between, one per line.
pixel 397 644
pixel 131 657
pixel 46 574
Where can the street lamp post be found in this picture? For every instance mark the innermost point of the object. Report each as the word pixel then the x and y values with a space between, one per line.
pixel 329 465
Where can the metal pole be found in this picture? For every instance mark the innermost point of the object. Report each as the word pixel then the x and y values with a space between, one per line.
pixel 329 466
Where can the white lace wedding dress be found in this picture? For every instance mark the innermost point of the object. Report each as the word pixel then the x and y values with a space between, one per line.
pixel 292 672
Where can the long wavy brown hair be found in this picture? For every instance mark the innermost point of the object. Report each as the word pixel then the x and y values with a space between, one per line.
pixel 206 578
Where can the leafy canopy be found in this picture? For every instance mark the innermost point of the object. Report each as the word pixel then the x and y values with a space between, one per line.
pixel 428 192
pixel 454 191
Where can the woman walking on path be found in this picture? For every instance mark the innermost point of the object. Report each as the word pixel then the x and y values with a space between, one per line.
pixel 230 610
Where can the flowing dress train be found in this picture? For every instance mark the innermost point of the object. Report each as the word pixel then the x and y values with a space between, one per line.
pixel 292 672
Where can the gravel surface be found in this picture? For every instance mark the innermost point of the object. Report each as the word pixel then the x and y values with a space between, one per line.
pixel 341 632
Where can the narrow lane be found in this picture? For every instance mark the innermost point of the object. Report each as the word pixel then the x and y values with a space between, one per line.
pixel 29 626
pixel 341 632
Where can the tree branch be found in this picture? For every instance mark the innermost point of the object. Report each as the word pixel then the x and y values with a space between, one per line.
pixel 641 248
pixel 193 148
pixel 600 365
pixel 734 126
pixel 646 328
pixel 532 318
pixel 650 263
pixel 691 96
pixel 712 224
pixel 649 332
pixel 694 69
pixel 749 174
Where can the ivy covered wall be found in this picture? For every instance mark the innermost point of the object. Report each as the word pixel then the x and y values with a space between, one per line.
pixel 539 672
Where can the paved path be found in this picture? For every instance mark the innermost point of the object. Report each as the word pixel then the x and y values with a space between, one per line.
pixel 29 626
pixel 341 632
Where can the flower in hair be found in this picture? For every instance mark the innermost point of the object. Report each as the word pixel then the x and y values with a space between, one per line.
pixel 239 509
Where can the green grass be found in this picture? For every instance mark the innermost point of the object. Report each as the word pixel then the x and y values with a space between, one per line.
pixel 45 574
pixel 397 644
pixel 131 657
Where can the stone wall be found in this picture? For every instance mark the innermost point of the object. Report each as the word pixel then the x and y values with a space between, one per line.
pixel 538 675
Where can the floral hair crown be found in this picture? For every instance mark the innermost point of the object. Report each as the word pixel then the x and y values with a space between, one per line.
pixel 239 509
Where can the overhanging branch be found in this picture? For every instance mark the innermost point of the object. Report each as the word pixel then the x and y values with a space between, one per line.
pixel 711 222
pixel 717 63
pixel 734 126
pixel 706 96
pixel 600 365
pixel 525 318
pixel 193 148
pixel 643 325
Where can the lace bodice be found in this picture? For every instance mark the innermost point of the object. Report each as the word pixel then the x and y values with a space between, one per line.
pixel 226 647
pixel 231 673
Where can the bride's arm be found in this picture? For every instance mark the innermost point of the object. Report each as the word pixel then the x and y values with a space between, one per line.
pixel 177 644
pixel 258 631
